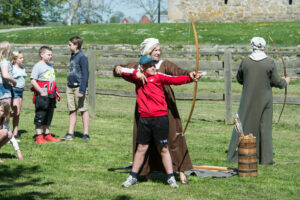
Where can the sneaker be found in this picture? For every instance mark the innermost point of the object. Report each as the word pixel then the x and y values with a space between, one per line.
pixel 129 181
pixel 85 137
pixel 40 139
pixel 50 138
pixel 172 182
pixel 68 136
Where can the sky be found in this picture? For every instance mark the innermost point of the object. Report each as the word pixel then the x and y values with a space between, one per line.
pixel 130 11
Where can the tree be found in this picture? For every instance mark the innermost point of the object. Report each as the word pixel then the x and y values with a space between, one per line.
pixel 53 10
pixel 23 12
pixel 73 7
pixel 150 7
pixel 89 11
pixel 116 17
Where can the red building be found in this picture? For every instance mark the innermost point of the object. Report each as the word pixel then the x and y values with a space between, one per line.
pixel 144 20
pixel 124 21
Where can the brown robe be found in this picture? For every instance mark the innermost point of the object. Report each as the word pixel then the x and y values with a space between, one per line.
pixel 181 160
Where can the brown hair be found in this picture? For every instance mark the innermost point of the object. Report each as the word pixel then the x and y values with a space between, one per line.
pixel 6 114
pixel 43 49
pixel 14 56
pixel 76 40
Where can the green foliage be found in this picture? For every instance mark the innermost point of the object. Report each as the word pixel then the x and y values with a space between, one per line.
pixel 167 33
pixel 53 10
pixel 22 12
pixel 115 19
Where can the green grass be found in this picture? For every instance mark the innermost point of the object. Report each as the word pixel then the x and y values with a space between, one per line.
pixel 283 33
pixel 80 170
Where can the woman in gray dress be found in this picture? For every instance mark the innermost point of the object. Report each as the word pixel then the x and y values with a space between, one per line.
pixel 258 74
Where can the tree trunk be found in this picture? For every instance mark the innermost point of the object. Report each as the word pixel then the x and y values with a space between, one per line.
pixel 88 17
pixel 72 10
pixel 70 17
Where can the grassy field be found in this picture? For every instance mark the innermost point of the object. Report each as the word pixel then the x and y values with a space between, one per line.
pixel 283 33
pixel 80 170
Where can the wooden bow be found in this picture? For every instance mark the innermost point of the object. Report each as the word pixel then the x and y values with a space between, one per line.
pixel 284 70
pixel 196 70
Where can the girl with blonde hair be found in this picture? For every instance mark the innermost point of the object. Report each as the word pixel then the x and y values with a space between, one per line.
pixel 6 80
pixel 19 74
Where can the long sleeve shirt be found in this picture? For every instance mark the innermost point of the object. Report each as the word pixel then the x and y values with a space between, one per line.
pixel 79 72
pixel 150 96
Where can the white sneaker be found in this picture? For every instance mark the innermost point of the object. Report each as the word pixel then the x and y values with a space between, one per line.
pixel 130 181
pixel 172 182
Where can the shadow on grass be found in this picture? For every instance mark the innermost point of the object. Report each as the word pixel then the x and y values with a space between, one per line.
pixel 125 169
pixel 21 132
pixel 155 176
pixel 122 197
pixel 160 177
pixel 78 134
pixel 7 155
pixel 18 177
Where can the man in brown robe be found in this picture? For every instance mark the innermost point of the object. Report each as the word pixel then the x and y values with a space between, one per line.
pixel 258 74
pixel 176 141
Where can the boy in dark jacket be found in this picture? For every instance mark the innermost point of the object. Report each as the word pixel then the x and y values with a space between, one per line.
pixel 76 89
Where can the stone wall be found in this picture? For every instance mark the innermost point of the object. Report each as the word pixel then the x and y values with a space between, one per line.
pixel 234 10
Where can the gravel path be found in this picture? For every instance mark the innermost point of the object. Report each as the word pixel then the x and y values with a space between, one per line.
pixel 20 29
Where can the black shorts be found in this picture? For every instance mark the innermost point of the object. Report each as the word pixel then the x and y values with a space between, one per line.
pixel 156 128
pixel 44 109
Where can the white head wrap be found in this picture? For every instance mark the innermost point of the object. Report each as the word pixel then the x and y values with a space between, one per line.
pixel 258 45
pixel 148 45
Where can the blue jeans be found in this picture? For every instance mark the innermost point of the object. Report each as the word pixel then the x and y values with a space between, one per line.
pixel 17 92
pixel 5 91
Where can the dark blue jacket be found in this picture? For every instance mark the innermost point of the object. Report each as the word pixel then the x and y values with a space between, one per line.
pixel 79 71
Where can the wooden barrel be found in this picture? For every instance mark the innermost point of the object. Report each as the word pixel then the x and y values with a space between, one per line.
pixel 247 157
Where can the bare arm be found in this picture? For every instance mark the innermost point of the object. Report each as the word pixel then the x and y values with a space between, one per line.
pixel 38 88
pixel 7 76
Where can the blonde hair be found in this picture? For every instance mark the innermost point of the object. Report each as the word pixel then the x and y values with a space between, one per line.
pixel 4 50
pixel 14 56
pixel 6 114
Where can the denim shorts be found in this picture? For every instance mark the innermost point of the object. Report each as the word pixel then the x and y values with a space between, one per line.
pixel 5 91
pixel 17 92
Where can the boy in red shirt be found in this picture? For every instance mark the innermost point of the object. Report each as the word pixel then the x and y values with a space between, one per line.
pixel 153 121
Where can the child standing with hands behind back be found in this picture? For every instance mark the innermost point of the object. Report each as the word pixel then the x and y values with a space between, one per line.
pixel 45 95
pixel 19 75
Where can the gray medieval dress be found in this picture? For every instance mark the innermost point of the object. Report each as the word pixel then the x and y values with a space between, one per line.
pixel 256 106
pixel 176 142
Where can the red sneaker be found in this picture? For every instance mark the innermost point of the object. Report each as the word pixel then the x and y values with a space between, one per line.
pixel 50 138
pixel 40 139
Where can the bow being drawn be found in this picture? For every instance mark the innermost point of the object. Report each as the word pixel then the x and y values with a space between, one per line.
pixel 284 70
pixel 196 70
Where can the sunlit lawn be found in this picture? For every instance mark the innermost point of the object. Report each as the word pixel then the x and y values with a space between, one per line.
pixel 80 170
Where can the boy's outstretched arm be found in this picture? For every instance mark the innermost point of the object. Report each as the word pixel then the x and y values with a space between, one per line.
pixel 129 75
pixel 118 72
